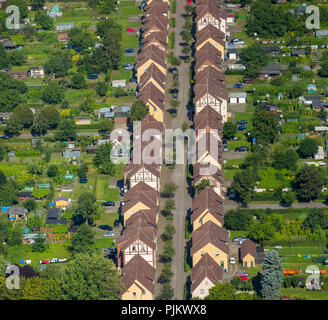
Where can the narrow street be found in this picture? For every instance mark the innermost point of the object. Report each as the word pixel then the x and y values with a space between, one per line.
pixel 179 176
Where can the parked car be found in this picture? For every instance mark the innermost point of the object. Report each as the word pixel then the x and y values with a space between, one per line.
pixel 242 128
pixel 175 75
pixel 241 149
pixel 108 204
pixel 232 260
pixel 241 274
pixel 5 137
pixel 116 223
pixel 92 76
pixel 238 86
pixel 225 147
pixel 239 240
pixel 128 66
pixel 184 57
pixel 131 29
pixel 241 122
pixel 175 90
pixel 244 278
pixel 111 249
pixel 173 111
pixel 133 79
pixel 175 97
pixel 105 227
pixel 130 50
pixel 109 235
pixel 174 70
pixel 83 180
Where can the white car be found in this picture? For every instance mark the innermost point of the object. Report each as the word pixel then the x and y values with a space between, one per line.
pixel 232 260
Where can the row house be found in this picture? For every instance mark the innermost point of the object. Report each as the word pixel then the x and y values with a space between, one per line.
pixel 209 12
pixel 140 197
pixel 137 245
pixel 205 274
pixel 213 36
pixel 207 206
pixel 209 250
pixel 138 278
pixel 138 238
pixel 210 239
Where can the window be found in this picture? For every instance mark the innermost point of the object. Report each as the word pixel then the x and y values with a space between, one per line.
pixel 202 291
pixel 216 254
pixel 202 253
pixel 142 248
pixel 143 292
pixel 134 294
pixel 134 249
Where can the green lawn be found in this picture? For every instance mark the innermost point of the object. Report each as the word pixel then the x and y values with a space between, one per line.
pixel 103 192
pixel 104 243
pixel 303 293
pixel 248 116
pixel 229 171
pixel 85 187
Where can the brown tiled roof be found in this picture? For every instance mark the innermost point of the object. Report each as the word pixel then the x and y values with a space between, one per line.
pixel 138 269
pixel 210 32
pixel 213 7
pixel 208 56
pixel 151 93
pixel 215 88
pixel 198 177
pixel 160 21
pixel 206 199
pixel 151 53
pixel 155 146
pixel 248 247
pixel 210 73
pixel 131 169
pixel 153 74
pixel 154 26
pixel 157 6
pixel 208 147
pixel 209 233
pixel 205 268
pixel 156 38
pixel 137 229
pixel 208 119
pixel 141 192
pixel 148 216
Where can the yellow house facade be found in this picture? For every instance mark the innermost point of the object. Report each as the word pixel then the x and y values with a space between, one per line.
pixel 220 257
pixel 137 207
pixel 249 261
pixel 155 111
pixel 137 292
pixel 143 68
pixel 203 218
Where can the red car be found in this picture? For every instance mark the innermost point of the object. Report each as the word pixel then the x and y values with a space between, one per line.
pixel 131 29
pixel 244 277
pixel 189 2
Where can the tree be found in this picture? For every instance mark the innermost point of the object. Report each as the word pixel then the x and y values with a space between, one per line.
pixel 237 220
pixel 169 232
pixel 3 152
pixel 166 293
pixel 59 64
pixel 265 127
pixel 39 245
pixel 102 88
pixel 52 171
pixel 90 277
pixel 307 148
pixel 243 184
pixel 229 130
pixel 53 93
pixel 37 4
pixel 272 276
pixel 82 172
pixel 42 19
pixel 83 240
pixel 314 220
pixel 323 72
pixel 220 291
pixel 285 160
pixel 106 126
pixel 66 130
pixel 33 289
pixel 78 38
pixel 86 207
pixel 3 178
pixel 30 205
pixel 307 184
pixel 186 50
pixel 107 6
pixel 166 274
pixel 170 188
pixel 202 185
pixel 287 197
pixel 189 9
pixel 169 207
pixel 186 36
pixel 22 117
pixel 138 111
pixel 103 161
pixel 168 252
pixel 261 231
pixel 253 58
pixel 50 116
pixel 39 126
pixel 78 81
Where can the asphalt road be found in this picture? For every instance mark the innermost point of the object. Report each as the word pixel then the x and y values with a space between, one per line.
pixel 182 198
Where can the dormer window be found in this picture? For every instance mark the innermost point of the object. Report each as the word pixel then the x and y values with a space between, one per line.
pixel 134 249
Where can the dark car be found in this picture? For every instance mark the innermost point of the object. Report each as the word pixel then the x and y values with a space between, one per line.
pixel 238 86
pixel 174 70
pixel 175 97
pixel 175 90
pixel 133 79
pixel 92 76
pixel 241 122
pixel 116 223
pixel 184 57
pixel 83 180
pixel 35 229
pixel 108 204
pixel 173 111
pixel 131 50
pixel 5 137
pixel 242 128
pixel 241 149
pixel 105 227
